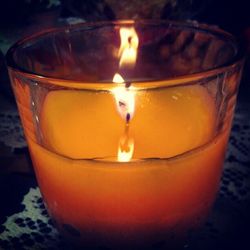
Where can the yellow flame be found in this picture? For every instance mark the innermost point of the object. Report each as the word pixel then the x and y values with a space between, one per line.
pixel 125 102
pixel 118 78
pixel 125 96
pixel 128 48
pixel 126 147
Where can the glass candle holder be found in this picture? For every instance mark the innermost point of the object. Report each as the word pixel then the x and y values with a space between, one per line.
pixel 127 125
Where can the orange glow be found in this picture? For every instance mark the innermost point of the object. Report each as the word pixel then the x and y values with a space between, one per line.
pixel 128 48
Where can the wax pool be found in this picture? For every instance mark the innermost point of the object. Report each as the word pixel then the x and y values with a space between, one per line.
pixel 138 202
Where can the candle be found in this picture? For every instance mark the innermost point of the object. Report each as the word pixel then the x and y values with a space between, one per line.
pixel 127 163
pixel 141 198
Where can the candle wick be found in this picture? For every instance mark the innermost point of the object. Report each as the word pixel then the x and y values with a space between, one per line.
pixel 130 41
pixel 127 84
pixel 128 117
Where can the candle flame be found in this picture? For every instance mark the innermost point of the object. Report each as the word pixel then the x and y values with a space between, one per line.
pixel 124 97
pixel 128 48
pixel 126 147
pixel 125 102
pixel 118 78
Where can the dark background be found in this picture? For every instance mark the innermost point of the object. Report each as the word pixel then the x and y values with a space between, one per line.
pixel 19 18
pixel 22 17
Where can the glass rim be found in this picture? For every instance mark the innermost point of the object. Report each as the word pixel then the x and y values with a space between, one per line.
pixel 171 81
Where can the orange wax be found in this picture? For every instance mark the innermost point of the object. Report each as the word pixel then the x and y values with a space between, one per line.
pixel 138 200
pixel 166 122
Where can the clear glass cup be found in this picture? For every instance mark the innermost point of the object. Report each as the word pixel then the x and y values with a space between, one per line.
pixel 127 125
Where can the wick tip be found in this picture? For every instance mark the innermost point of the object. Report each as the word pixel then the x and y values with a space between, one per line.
pixel 128 117
pixel 127 84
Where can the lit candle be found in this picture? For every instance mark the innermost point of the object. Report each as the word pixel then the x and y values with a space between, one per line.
pixel 123 200
pixel 126 163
